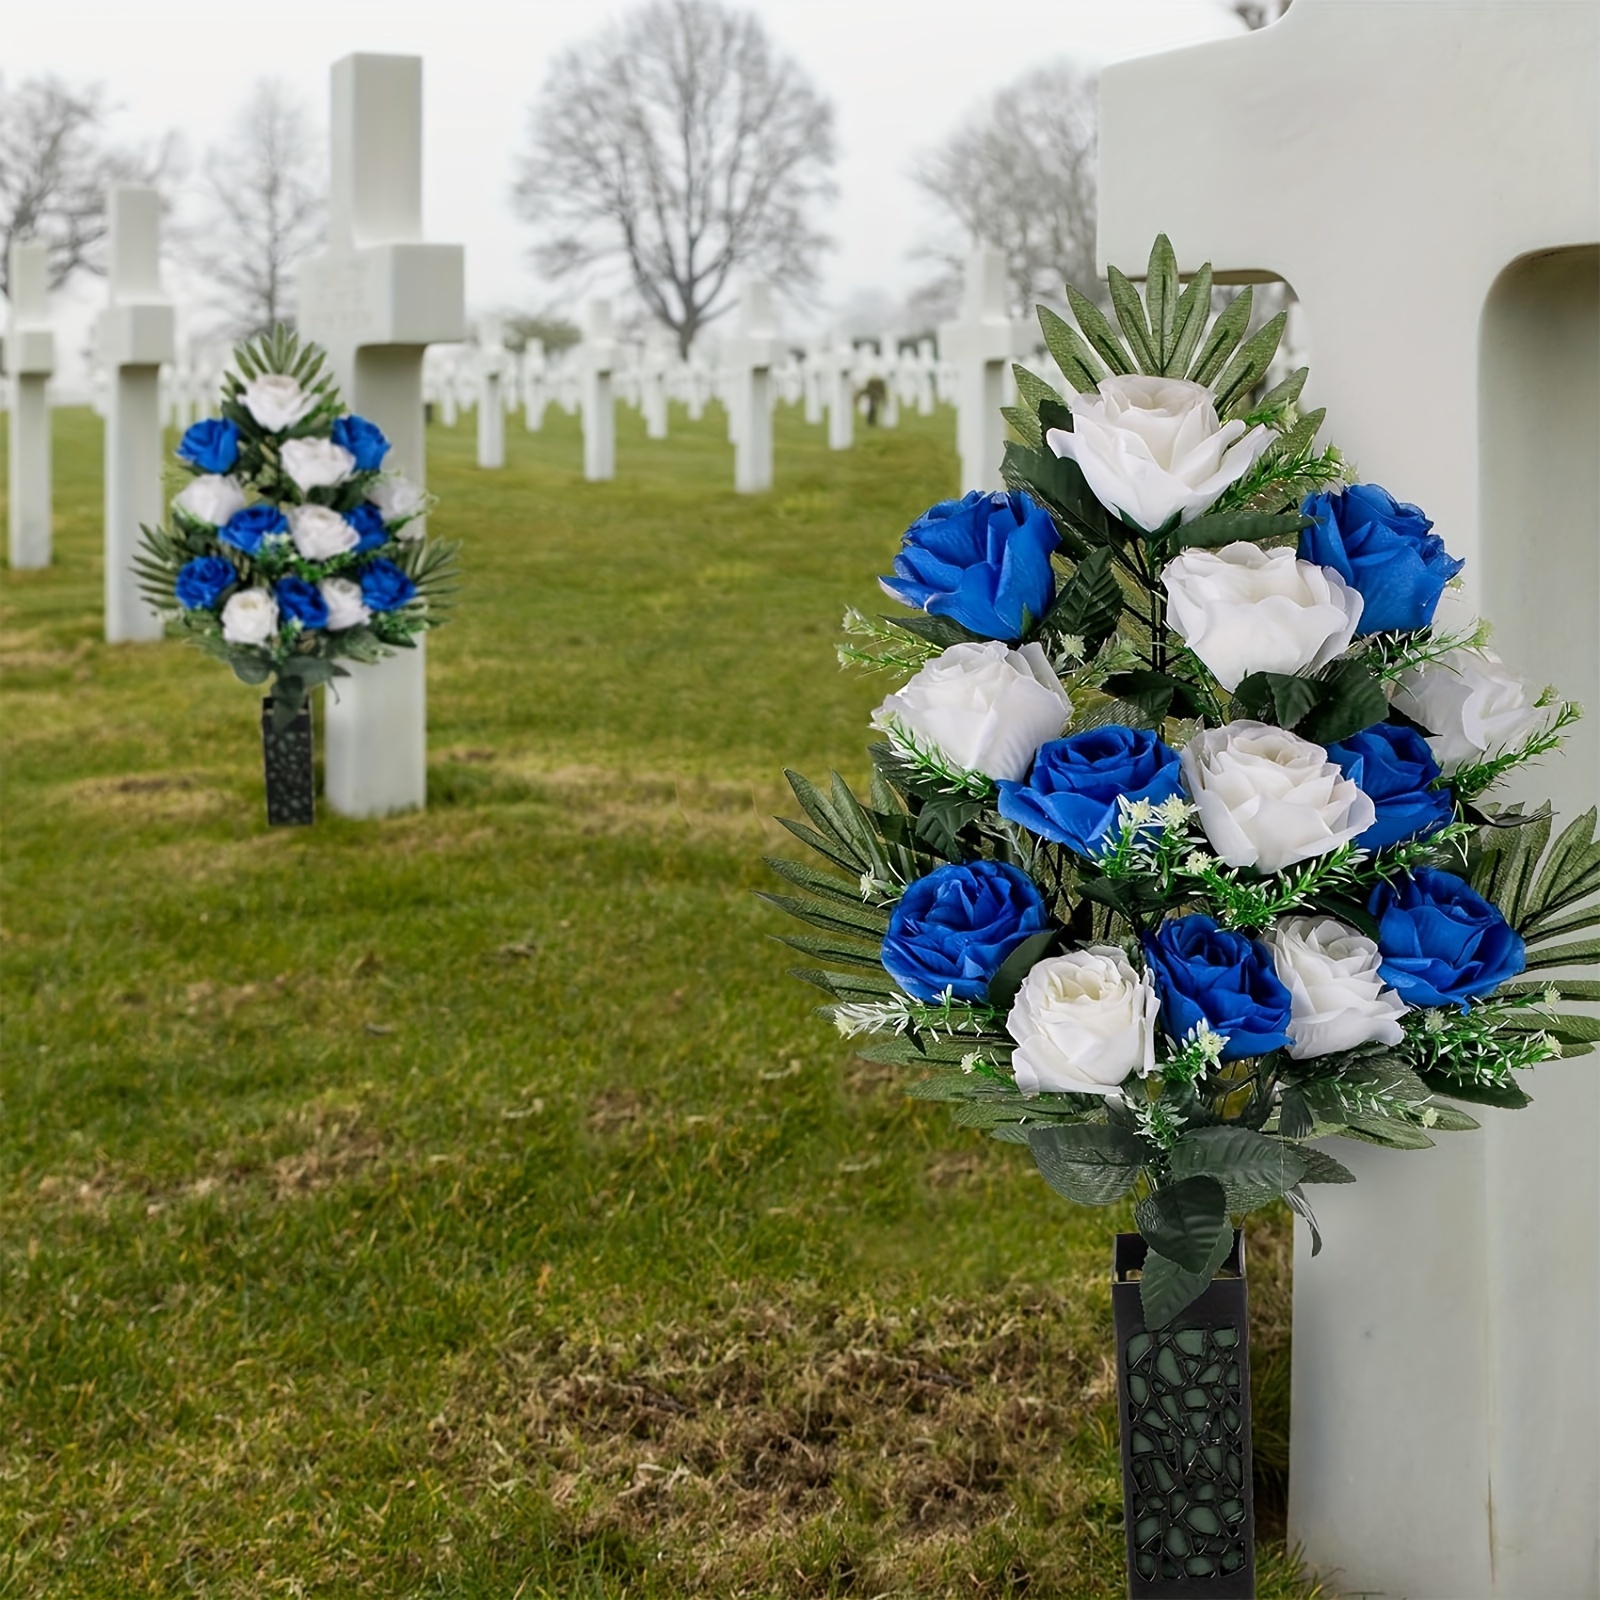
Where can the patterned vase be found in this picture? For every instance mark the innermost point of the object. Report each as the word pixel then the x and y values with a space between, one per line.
pixel 286 757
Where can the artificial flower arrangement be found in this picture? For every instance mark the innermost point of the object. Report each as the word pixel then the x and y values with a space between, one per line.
pixel 1179 852
pixel 290 549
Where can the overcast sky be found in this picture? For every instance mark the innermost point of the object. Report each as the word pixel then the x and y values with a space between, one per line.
pixel 901 74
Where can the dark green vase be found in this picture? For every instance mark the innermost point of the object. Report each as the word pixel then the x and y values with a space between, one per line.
pixel 286 759
pixel 1183 1395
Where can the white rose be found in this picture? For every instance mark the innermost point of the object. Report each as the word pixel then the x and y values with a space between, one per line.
pixel 1268 798
pixel 1243 609
pixel 1082 1022
pixel 211 499
pixel 397 498
pixel 346 608
pixel 250 617
pixel 1150 447
pixel 1471 705
pixel 987 707
pixel 276 401
pixel 319 534
pixel 317 463
pixel 1337 999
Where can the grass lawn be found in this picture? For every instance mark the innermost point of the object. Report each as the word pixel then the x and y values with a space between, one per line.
pixel 468 1204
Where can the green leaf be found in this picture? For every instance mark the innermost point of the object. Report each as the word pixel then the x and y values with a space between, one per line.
pixel 1015 968
pixel 1282 394
pixel 1129 308
pixel 941 631
pixel 1024 423
pixel 1154 693
pixel 1249 366
pixel 1505 1095
pixel 1180 1220
pixel 861 922
pixel 826 847
pixel 1058 483
pixel 1090 602
pixel 1295 1117
pixel 1276 696
pixel 1389 1132
pixel 1093 1164
pixel 1054 414
pixel 1349 699
pixel 1225 333
pixel 831 950
pixel 1229 527
pixel 1167 1289
pixel 1194 307
pixel 1100 334
pixel 1322 1168
pixel 1031 388
pixel 1161 296
pixel 1253 1168
pixel 250 669
pixel 826 884
pixel 1079 364
pixel 940 822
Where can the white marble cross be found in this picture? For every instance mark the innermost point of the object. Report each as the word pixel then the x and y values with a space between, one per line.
pixel 980 344
pixel 653 368
pixel 1426 177
pixel 535 392
pixel 30 359
pixel 375 299
pixel 926 370
pixel 839 386
pixel 136 335
pixel 491 393
pixel 597 357
pixel 749 357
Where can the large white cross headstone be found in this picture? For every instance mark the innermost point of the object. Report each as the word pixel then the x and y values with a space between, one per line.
pixel 137 334
pixel 597 359
pixel 980 344
pixel 375 299
pixel 30 359
pixel 491 393
pixel 749 357
pixel 1426 178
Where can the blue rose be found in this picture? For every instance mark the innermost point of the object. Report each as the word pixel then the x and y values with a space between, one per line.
pixel 1384 550
pixel 1440 942
pixel 1205 973
pixel 245 530
pixel 202 582
pixel 954 928
pixel 368 521
pixel 1072 793
pixel 983 561
pixel 1392 765
pixel 364 440
pixel 384 586
pixel 301 602
pixel 212 445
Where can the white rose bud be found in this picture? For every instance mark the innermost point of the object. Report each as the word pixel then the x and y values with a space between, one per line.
pixel 346 608
pixel 397 498
pixel 211 499
pixel 1243 609
pixel 317 463
pixel 1151 447
pixel 1471 705
pixel 987 707
pixel 319 533
pixel 1337 998
pixel 1083 1022
pixel 250 617
pixel 276 401
pixel 1268 798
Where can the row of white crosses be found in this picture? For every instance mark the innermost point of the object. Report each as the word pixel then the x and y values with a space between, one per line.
pixel 1446 1381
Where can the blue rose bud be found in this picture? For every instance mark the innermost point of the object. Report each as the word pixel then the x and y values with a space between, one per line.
pixel 364 440
pixel 301 602
pixel 982 561
pixel 1205 973
pixel 954 928
pixel 368 522
pixel 1073 791
pixel 1384 550
pixel 245 530
pixel 384 586
pixel 1440 942
pixel 210 446
pixel 1392 765
pixel 201 583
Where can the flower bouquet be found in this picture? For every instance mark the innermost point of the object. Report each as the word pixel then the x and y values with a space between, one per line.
pixel 1180 853
pixel 290 549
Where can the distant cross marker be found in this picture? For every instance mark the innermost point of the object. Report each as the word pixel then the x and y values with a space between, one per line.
pixel 980 344
pixel 491 393
pixel 30 359
pixel 375 299
pixel 136 336
pixel 597 360
pixel 1446 1389
pixel 750 356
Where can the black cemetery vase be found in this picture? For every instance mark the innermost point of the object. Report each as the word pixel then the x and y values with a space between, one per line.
pixel 1183 1395
pixel 286 758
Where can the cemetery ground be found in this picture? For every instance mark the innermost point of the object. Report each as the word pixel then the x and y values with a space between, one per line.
pixel 468 1203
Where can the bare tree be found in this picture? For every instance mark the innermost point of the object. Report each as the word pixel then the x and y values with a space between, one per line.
pixel 55 164
pixel 677 146
pixel 1020 174
pixel 261 208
